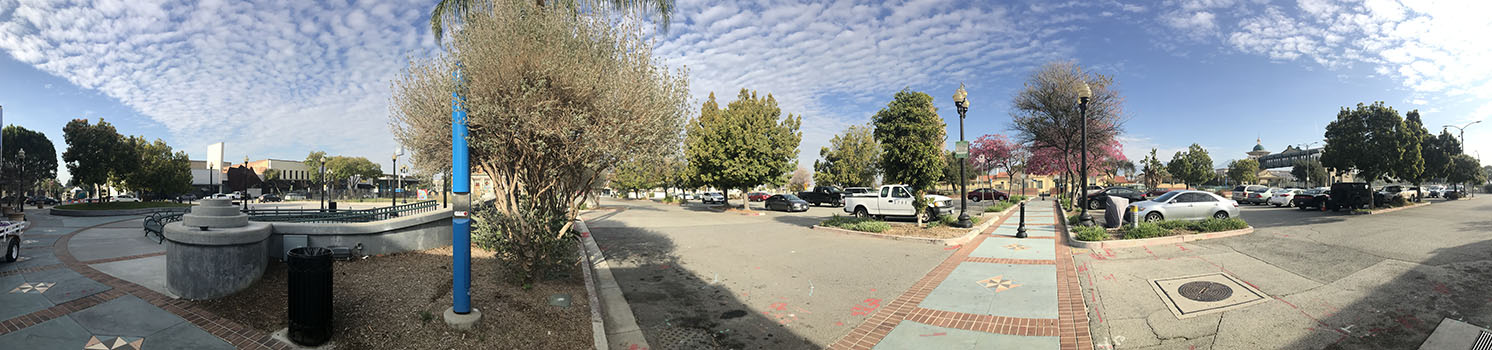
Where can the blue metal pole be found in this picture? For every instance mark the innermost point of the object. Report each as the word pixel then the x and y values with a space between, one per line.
pixel 461 223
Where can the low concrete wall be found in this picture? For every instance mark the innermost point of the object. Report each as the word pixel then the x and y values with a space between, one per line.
pixel 414 232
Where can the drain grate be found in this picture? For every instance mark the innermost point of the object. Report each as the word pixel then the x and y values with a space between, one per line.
pixel 1483 341
pixel 1204 291
pixel 686 338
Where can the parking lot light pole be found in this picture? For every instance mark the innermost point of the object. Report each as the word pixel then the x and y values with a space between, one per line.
pixel 961 100
pixel 1083 218
pixel 1307 181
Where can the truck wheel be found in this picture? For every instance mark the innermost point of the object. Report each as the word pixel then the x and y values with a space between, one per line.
pixel 13 250
pixel 861 213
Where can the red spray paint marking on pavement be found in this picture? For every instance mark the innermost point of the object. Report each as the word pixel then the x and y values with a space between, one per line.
pixel 838 323
pixel 1110 253
pixel 870 305
pixel 585 233
pixel 1152 254
pixel 872 289
pixel 1096 256
pixel 935 334
pixel 1313 318
pixel 636 347
pixel 1178 245
pixel 1442 289
pixel 1109 277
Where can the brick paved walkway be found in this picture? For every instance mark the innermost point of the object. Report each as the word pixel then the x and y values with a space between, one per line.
pixel 996 291
pixel 52 300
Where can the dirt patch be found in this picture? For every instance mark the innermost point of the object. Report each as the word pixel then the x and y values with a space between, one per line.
pixel 908 229
pixel 396 301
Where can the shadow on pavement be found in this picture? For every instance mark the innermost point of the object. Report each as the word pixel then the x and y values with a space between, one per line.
pixel 682 309
pixel 1401 313
pixel 805 221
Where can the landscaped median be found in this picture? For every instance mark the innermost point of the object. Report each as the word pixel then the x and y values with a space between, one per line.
pixel 944 230
pixel 1159 232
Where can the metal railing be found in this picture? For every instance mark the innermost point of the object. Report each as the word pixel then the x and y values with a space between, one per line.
pixel 326 216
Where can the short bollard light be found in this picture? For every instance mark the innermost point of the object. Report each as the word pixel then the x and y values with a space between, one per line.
pixel 1020 232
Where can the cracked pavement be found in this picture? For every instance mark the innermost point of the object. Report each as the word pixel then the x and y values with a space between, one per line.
pixel 1333 281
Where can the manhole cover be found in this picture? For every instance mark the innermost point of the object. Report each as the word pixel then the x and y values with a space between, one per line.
pixel 685 338
pixel 1204 291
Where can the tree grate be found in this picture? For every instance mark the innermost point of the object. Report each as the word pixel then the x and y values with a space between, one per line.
pixel 686 338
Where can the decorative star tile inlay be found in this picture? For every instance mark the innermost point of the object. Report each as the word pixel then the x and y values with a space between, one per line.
pixel 999 283
pixel 38 287
pixel 1016 246
pixel 109 342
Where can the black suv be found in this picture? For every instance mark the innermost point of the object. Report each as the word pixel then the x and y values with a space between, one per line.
pixel 1349 195
pixel 1099 200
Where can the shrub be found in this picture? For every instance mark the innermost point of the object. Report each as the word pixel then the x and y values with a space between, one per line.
pixel 999 207
pixel 524 240
pixel 1066 204
pixel 1017 198
pixel 1144 230
pixel 1216 225
pixel 1397 201
pixel 1090 233
pixel 1073 219
pixel 857 224
pixel 1175 224
pixel 1487 188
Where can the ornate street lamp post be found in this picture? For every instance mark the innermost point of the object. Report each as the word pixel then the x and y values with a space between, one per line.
pixel 1083 96
pixel 961 100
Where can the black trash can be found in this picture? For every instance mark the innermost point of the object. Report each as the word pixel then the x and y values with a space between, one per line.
pixel 310 295
pixel 331 206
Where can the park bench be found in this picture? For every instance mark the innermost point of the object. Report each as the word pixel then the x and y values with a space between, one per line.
pixel 156 223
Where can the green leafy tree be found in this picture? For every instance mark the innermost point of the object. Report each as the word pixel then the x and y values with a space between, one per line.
pixel 950 169
pixel 273 177
pixel 39 165
pixel 313 162
pixel 342 171
pixel 1411 165
pixel 1310 171
pixel 748 143
pixel 94 152
pixel 638 174
pixel 1369 139
pixel 1437 152
pixel 852 159
pixel 1153 170
pixel 911 134
pixel 1194 167
pixel 1465 170
pixel 157 169
pixel 1243 171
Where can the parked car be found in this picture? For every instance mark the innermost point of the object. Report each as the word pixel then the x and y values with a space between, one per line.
pixel 296 196
pixel 712 197
pixel 269 197
pixel 1434 191
pixel 757 196
pixel 1409 193
pixel 1157 192
pixel 823 194
pixel 1186 205
pixel 1284 198
pixel 1099 200
pixel 1314 198
pixel 987 194
pixel 125 198
pixel 856 190
pixel 1255 194
pixel 785 202
pixel 1349 195
pixel 896 200
pixel 186 197
pixel 41 200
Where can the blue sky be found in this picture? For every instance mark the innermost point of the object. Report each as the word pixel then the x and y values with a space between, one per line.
pixel 280 79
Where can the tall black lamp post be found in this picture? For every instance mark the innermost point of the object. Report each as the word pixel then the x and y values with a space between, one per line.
pixel 961 100
pixel 323 184
pixel 21 179
pixel 1083 95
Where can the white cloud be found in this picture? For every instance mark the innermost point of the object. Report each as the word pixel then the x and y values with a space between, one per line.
pixel 836 63
pixel 270 79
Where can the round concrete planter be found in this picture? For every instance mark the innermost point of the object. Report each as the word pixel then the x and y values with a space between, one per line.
pixel 211 256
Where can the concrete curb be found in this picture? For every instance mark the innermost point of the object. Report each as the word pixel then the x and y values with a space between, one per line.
pixel 1390 210
pixel 598 325
pixel 1178 239
pixel 973 232
pixel 617 324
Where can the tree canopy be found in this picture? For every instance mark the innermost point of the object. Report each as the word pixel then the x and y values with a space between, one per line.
pixel 851 159
pixel 911 135
pixel 1370 139
pixel 746 144
pixel 158 170
pixel 1311 172
pixel 1193 167
pixel 1047 116
pixel 1243 171
pixel 94 152
pixel 41 157
pixel 1153 170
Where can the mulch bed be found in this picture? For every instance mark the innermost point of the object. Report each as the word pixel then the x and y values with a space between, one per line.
pixel 396 302
pixel 910 229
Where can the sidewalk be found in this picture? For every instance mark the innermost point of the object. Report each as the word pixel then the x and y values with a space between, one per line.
pixel 996 291
pixel 97 283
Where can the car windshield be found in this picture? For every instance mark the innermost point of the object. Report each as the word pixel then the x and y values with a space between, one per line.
pixel 1313 192
pixel 789 197
pixel 1166 197
pixel 1257 189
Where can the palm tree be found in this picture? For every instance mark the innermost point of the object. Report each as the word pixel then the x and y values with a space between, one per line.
pixel 455 10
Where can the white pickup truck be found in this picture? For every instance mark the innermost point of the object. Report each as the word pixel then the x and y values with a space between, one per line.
pixel 895 200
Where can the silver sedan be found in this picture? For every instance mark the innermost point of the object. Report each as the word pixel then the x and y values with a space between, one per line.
pixel 1186 205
